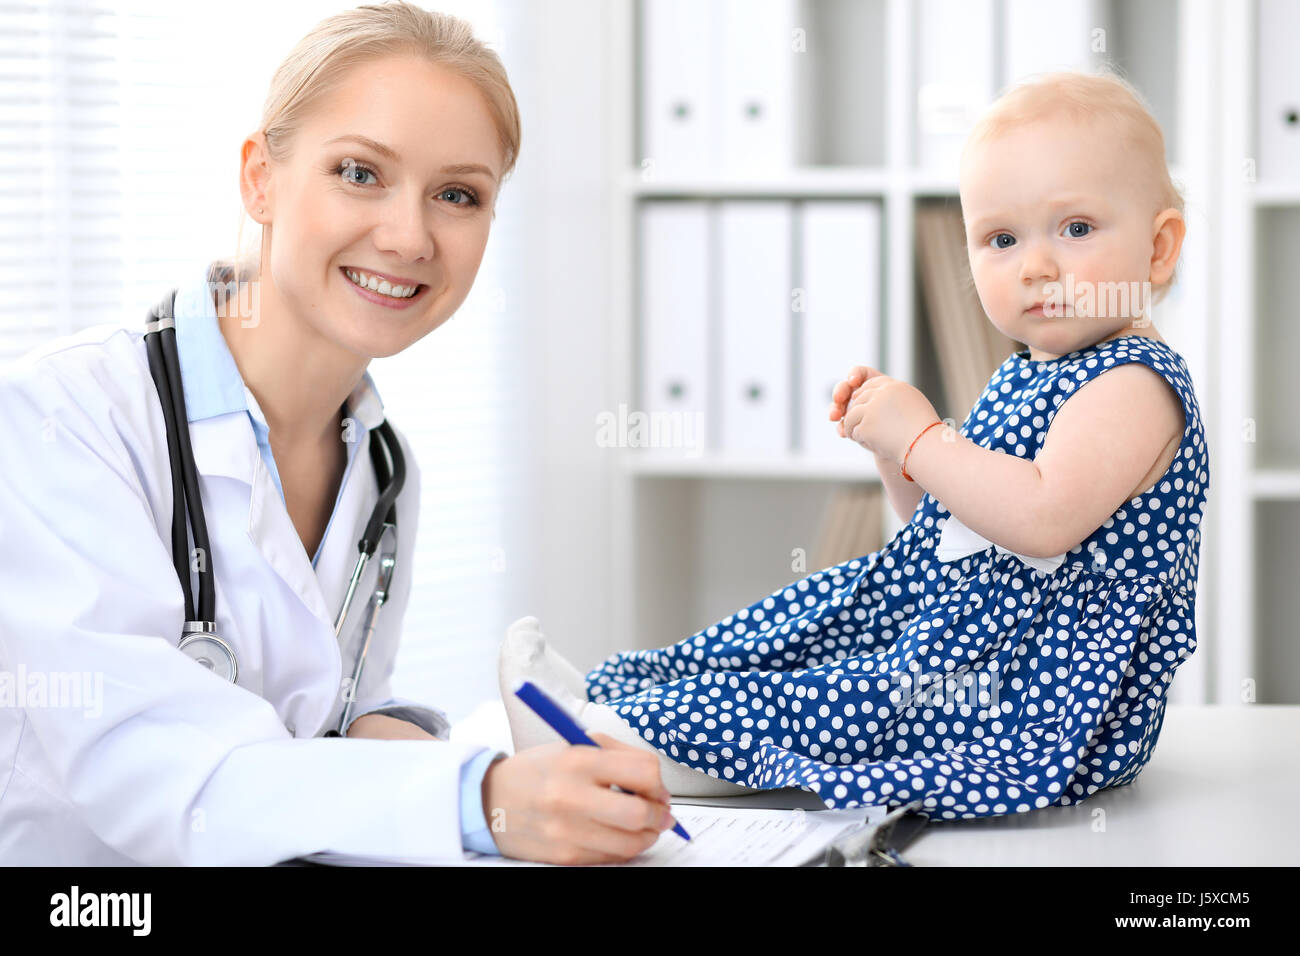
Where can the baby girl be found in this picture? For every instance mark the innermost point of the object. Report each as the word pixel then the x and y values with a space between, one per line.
pixel 1012 646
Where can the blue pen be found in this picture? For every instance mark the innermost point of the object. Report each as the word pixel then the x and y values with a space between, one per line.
pixel 563 724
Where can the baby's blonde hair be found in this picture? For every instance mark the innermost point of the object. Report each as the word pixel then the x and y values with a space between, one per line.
pixel 1086 96
pixel 322 59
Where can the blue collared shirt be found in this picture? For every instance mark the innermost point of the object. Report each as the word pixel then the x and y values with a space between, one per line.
pixel 214 386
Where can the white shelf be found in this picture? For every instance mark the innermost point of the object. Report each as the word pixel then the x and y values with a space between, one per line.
pixel 798 182
pixel 1274 193
pixel 732 466
pixel 806 182
pixel 1276 484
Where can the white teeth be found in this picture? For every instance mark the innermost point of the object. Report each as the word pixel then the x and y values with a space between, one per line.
pixel 382 286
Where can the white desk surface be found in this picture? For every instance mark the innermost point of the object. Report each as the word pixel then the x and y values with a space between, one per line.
pixel 1220 790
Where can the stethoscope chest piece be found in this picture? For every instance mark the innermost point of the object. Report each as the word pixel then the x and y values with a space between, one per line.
pixel 200 643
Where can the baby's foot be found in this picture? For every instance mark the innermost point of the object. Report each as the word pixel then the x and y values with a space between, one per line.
pixel 525 655
pixel 534 658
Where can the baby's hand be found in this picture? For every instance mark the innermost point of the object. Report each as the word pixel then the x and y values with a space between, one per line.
pixel 880 413
pixel 846 391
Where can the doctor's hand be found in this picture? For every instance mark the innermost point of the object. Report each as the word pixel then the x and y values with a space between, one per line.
pixel 383 727
pixel 553 803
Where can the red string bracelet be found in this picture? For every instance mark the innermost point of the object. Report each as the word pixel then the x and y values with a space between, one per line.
pixel 913 445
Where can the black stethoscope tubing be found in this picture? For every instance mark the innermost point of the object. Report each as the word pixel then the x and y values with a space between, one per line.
pixel 164 366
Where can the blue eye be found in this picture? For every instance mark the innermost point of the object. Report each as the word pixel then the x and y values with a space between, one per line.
pixel 356 173
pixel 997 243
pixel 470 198
pixel 1070 230
pixel 351 166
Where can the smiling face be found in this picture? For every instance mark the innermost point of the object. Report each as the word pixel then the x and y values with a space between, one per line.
pixel 394 174
pixel 1058 205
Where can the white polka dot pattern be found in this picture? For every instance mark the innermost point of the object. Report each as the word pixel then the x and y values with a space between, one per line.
pixel 981 686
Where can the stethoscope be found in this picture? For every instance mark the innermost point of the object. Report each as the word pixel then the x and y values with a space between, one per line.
pixel 199 638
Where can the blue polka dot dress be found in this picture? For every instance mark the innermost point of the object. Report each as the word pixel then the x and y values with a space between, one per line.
pixel 978 683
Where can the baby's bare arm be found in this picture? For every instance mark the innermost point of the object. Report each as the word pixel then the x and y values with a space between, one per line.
pixel 1101 442
pixel 903 495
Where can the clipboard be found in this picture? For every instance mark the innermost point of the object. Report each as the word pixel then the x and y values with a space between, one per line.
pixel 867 844
pixel 875 844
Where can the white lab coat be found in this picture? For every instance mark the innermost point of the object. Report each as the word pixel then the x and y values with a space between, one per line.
pixel 181 766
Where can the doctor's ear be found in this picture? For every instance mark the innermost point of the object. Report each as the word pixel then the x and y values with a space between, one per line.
pixel 255 175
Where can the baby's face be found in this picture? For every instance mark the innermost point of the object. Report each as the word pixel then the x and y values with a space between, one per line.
pixel 1058 210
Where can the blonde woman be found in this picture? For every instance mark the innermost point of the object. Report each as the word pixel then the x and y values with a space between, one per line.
pixel 375 172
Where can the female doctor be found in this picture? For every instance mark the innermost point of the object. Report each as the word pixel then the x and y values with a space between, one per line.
pixel 385 139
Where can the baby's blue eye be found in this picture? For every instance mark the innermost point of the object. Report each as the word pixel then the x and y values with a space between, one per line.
pixel 997 242
pixel 1073 230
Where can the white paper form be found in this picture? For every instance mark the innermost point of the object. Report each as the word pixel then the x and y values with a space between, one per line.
pixel 720 836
